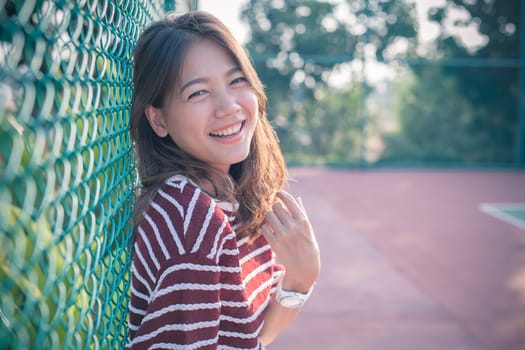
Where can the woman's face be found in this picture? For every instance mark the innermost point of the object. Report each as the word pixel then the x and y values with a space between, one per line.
pixel 213 111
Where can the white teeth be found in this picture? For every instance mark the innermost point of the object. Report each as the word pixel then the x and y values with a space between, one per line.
pixel 228 132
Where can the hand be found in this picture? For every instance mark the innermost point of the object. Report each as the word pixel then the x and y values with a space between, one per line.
pixel 290 234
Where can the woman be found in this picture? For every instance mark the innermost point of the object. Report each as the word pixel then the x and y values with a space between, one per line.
pixel 211 215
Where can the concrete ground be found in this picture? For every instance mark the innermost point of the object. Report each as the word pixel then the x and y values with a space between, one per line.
pixel 411 263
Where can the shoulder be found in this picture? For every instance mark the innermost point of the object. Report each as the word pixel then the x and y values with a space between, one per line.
pixel 180 192
pixel 186 219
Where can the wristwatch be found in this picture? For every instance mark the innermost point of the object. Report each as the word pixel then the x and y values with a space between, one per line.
pixel 291 299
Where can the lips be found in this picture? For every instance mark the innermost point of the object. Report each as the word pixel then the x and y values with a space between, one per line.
pixel 229 131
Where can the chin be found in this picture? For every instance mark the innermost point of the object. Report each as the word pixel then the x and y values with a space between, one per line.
pixel 241 158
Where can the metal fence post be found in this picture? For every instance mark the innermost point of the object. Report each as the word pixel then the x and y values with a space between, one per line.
pixel 364 115
pixel 520 120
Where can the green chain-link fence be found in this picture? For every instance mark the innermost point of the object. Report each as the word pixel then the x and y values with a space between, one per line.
pixel 66 170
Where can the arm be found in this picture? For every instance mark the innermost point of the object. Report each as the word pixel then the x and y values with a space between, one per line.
pixel 276 319
pixel 289 232
pixel 176 280
pixel 184 309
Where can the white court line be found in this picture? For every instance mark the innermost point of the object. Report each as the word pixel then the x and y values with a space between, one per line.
pixel 496 210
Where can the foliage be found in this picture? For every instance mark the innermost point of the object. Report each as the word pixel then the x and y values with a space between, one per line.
pixel 297 43
pixel 431 134
pixel 461 107
pixel 66 172
pixel 287 37
pixel 326 129
pixel 471 116
pixel 498 21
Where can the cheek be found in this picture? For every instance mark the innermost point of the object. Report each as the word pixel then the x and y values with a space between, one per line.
pixel 254 117
pixel 255 123
pixel 183 131
pixel 252 104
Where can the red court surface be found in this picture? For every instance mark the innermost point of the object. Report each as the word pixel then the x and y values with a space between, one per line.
pixel 410 262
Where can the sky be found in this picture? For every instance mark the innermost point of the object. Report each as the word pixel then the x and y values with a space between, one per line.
pixel 228 12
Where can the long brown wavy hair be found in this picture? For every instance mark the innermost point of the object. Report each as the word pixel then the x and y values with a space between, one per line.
pixel 158 58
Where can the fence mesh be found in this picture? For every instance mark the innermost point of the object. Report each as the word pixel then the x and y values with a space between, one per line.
pixel 66 170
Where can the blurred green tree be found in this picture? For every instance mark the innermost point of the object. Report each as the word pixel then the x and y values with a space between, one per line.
pixel 327 128
pixel 296 44
pixel 470 94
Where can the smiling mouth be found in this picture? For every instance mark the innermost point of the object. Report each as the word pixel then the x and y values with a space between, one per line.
pixel 231 131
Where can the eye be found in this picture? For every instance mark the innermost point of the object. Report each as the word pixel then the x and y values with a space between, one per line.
pixel 239 80
pixel 197 94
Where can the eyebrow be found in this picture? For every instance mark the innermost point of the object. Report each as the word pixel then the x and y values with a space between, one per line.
pixel 202 80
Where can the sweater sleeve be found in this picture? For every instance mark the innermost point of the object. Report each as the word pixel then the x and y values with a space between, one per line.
pixel 179 271
pixel 184 309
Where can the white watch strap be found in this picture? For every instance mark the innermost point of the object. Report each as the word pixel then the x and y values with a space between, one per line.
pixel 291 299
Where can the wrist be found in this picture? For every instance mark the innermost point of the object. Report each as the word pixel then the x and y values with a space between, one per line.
pixel 289 283
pixel 292 299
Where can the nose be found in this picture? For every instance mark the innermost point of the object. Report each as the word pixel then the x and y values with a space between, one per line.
pixel 226 104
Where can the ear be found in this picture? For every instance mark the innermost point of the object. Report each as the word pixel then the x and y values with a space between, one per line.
pixel 156 120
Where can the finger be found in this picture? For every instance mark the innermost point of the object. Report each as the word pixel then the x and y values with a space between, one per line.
pixel 267 233
pixel 291 203
pixel 274 222
pixel 300 201
pixel 281 213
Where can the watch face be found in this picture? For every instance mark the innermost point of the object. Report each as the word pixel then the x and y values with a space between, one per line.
pixel 291 299
pixel 291 302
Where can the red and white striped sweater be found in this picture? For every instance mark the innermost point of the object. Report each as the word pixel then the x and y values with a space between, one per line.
pixel 194 284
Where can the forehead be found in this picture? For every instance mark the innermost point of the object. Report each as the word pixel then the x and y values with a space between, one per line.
pixel 205 58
